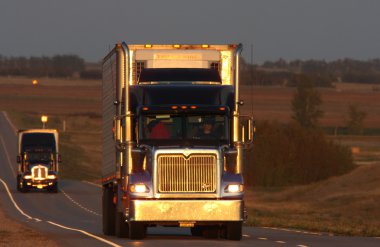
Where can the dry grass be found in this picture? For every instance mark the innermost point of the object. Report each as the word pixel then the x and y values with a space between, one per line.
pixel 14 234
pixel 343 205
pixel 274 103
pixel 365 149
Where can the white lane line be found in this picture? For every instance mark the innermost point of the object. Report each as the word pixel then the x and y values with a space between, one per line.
pixel 78 204
pixel 246 236
pixel 13 201
pixel 9 121
pixel 52 223
pixel 262 238
pixel 91 183
pixel 86 233
pixel 301 245
pixel 292 230
pixel 280 242
pixel 7 155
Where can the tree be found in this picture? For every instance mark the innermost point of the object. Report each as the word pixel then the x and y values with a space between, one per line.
pixel 355 120
pixel 306 104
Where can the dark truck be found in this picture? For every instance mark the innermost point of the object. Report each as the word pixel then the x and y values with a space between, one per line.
pixel 173 140
pixel 38 160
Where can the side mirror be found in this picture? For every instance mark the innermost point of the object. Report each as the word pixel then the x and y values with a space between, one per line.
pixel 18 159
pixel 116 129
pixel 247 130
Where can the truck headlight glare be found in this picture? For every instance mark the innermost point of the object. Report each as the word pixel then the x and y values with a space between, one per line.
pixel 234 188
pixel 139 188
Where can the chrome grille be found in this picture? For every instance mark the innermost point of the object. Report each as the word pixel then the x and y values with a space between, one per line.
pixel 197 173
pixel 39 172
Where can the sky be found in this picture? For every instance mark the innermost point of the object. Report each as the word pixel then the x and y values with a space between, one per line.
pixel 287 29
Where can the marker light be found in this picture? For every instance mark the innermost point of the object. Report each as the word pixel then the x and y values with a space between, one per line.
pixel 52 176
pixel 205 46
pixel 174 107
pixel 27 176
pixel 139 188
pixel 44 119
pixel 234 188
pixel 145 108
pixel 183 107
pixel 148 46
pixel 177 46
pixel 222 108
pixel 193 107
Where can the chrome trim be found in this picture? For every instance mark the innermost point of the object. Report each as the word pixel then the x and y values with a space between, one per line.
pixel 39 172
pixel 186 210
pixel 194 173
pixel 236 113
pixel 187 153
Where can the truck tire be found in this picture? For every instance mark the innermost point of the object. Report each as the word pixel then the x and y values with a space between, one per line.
pixel 23 188
pixel 121 227
pixel 109 212
pixel 53 188
pixel 211 232
pixel 136 230
pixel 18 183
pixel 234 230
pixel 196 231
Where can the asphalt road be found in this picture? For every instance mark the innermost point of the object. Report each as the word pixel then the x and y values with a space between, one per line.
pixel 72 217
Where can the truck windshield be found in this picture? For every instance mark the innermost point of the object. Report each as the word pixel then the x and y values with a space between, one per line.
pixel 39 157
pixel 184 127
pixel 37 140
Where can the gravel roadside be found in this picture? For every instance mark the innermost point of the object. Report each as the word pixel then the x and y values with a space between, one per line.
pixel 13 233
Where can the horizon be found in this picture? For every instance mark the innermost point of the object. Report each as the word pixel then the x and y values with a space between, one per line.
pixel 290 29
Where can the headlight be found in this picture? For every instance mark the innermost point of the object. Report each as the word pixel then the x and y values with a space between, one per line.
pixel 52 176
pixel 234 188
pixel 139 188
pixel 28 177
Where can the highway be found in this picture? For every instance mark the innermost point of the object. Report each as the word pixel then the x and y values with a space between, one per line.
pixel 72 217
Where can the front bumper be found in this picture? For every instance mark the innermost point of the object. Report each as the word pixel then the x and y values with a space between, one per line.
pixel 39 184
pixel 186 210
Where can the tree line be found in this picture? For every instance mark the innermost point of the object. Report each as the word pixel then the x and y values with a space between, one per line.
pixel 280 72
pixel 322 73
pixel 56 66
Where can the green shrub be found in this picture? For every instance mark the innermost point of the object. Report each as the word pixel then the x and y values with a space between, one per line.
pixel 288 154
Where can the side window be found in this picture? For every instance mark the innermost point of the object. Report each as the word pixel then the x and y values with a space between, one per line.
pixel 138 67
pixel 215 65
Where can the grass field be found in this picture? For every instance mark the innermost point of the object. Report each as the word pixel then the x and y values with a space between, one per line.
pixel 342 205
pixel 274 103
pixel 346 205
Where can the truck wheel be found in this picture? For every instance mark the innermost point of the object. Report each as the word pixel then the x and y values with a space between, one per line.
pixel 53 188
pixel 211 232
pixel 18 183
pixel 109 211
pixel 234 230
pixel 136 230
pixel 196 231
pixel 23 187
pixel 121 227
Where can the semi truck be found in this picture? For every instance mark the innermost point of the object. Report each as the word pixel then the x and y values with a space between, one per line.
pixel 38 160
pixel 173 139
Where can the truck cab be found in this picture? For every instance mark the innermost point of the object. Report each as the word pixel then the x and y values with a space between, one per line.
pixel 38 160
pixel 173 140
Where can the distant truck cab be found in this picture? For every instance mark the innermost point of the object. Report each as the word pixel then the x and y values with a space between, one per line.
pixel 38 160
pixel 173 140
